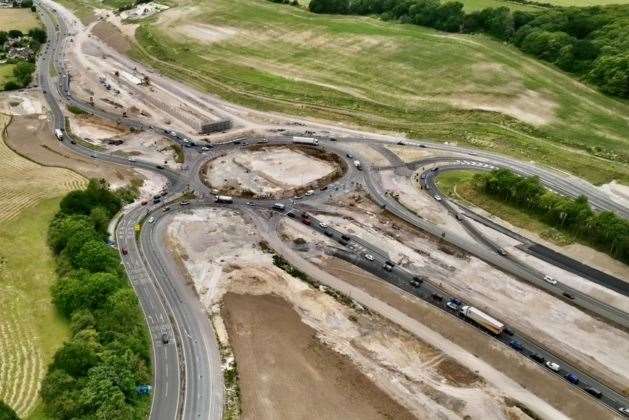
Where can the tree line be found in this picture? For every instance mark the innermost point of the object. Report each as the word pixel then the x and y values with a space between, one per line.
pixel 590 42
pixel 95 373
pixel 604 230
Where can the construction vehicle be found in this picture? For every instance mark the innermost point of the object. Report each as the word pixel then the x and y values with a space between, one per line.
pixel 357 165
pixel 481 318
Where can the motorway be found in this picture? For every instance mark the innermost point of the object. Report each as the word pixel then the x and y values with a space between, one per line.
pixel 187 376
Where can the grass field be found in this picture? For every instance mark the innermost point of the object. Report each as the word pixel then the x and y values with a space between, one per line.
pixel 458 184
pixel 395 77
pixel 6 73
pixel 30 330
pixel 472 5
pixel 21 19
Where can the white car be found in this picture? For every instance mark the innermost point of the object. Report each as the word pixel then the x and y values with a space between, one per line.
pixel 323 225
pixel 131 159
pixel 624 410
pixel 437 197
pixel 553 366
pixel 309 193
pixel 369 257
pixel 151 219
pixel 549 279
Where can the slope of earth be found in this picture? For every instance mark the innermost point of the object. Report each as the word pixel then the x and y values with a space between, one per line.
pixel 30 329
pixel 388 76
pixel 286 372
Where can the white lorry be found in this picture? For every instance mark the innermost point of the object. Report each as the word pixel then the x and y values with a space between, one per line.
pixel 59 134
pixel 224 199
pixel 306 140
pixel 482 319
pixel 357 165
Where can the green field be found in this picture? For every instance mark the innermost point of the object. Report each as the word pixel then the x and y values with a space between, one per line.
pixel 458 185
pixel 471 5
pixel 6 73
pixel 21 19
pixel 583 3
pixel 31 328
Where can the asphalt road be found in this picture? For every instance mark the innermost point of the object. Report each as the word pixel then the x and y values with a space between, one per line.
pixel 188 381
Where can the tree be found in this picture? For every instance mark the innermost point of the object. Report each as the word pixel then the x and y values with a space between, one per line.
pixel 96 256
pixel 38 34
pixel 15 33
pixel 611 74
pixel 60 393
pixel 63 227
pixel 76 357
pixel 7 413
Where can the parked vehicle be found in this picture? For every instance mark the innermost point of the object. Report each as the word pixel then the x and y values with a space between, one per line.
pixel 415 283
pixel 151 219
pixel 549 279
pixel 279 207
pixel 568 295
pixel 345 237
pixel 290 214
pixel 501 251
pixel 306 222
pixel 437 297
pixel 323 225
pixel 507 331
pixel 482 319
pixel 624 410
pixel 454 304
pixel 369 257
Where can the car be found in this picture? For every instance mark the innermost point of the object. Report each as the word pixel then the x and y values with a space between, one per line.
pixel 553 366
pixel 345 237
pixel 624 410
pixel 132 159
pixel 343 242
pixel 165 209
pixel 151 219
pixel 249 203
pixel 237 141
pixel 437 197
pixel 415 283
pixel 327 233
pixel 401 143
pixel 452 305
pixel 423 176
pixel 369 257
pixel 501 251
pixel 387 267
pixel 73 141
pixel 332 138
pixel 159 166
pixel 549 279
pixel 568 295
pixel 124 251
pixel 594 392
pixel 144 202
pixel 165 338
pixel 305 216
pixel 508 331
pixel 309 193
pixel 156 200
pixel 290 214
pixel 323 225
pixel 423 146
pixel 572 378
pixel 187 145
pixel 435 169
pixel 437 297
pixel 516 345
pixel 349 156
pixel 538 357
pixel 92 155
pixel 184 203
pixel 306 222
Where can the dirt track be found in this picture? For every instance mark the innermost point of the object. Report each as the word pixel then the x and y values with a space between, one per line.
pixel 286 373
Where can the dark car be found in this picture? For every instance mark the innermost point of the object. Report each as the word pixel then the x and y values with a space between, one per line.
pixel 415 283
pixel 124 251
pixel 305 216
pixel 290 214
pixel 594 392
pixel 437 297
pixel 572 378
pixel 343 242
pixel 508 331
pixel 327 233
pixel 538 358
pixel 349 156
pixel 345 237
pixel 422 146
pixel 568 295
pixel 332 138
pixel 501 252
pixel 387 267
pixel 185 203
pixel 165 338
pixel 159 166
pixel 156 200
pixel 516 345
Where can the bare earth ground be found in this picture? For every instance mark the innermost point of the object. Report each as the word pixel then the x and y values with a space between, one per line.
pixel 577 336
pixel 220 252
pixel 268 172
pixel 286 372
pixel 31 137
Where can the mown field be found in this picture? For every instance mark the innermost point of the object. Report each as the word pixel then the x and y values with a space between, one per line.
pixel 6 73
pixel 21 19
pixel 389 76
pixel 458 185
pixel 30 329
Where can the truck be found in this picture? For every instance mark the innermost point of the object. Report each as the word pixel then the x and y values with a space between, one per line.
pixel 224 199
pixel 306 140
pixel 357 165
pixel 481 318
pixel 59 134
pixel 279 206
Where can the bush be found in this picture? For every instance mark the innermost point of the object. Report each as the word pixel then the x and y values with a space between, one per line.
pixel 7 413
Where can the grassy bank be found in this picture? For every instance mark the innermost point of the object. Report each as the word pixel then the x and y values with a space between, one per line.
pixel 458 185
pixel 26 311
pixel 6 73
pixel 392 77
